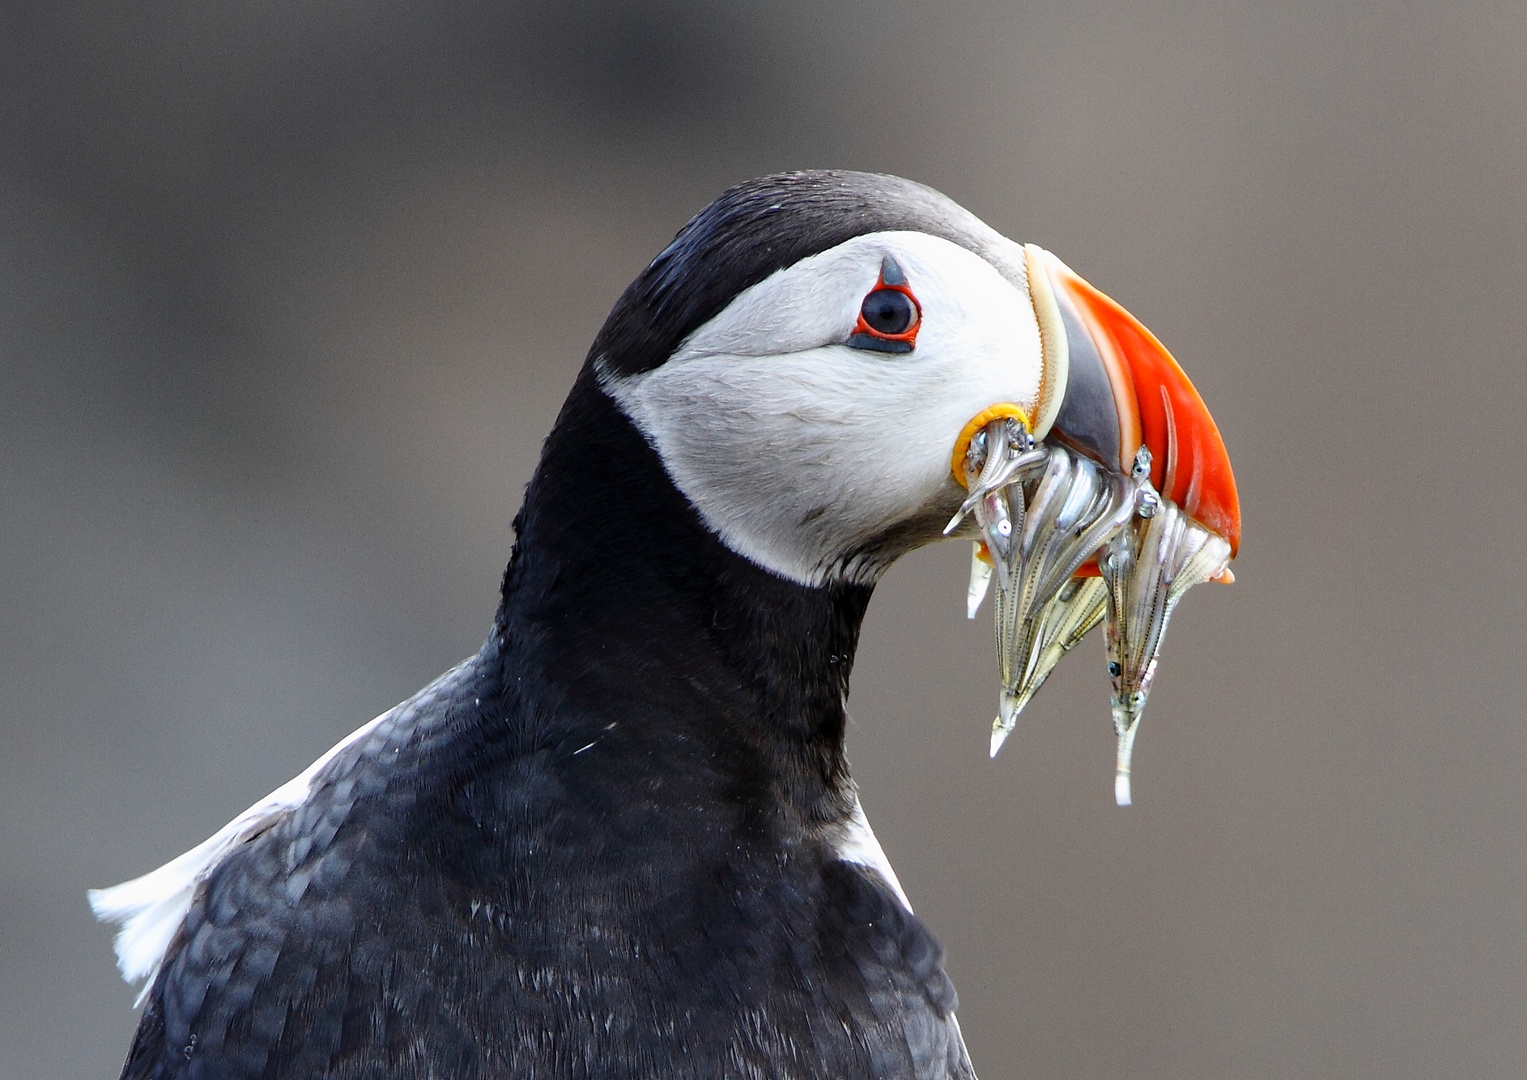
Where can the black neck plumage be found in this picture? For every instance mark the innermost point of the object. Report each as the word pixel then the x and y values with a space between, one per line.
pixel 622 600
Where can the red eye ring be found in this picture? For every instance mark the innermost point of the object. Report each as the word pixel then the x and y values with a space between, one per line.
pixel 866 336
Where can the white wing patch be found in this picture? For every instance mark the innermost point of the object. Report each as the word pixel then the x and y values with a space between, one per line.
pixel 150 909
pixel 857 844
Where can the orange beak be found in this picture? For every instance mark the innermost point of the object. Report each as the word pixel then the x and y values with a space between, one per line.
pixel 1123 389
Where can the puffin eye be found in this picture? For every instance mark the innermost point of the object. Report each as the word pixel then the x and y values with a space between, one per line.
pixel 889 315
pixel 889 312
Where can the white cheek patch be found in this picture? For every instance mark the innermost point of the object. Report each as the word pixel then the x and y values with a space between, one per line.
pixel 798 451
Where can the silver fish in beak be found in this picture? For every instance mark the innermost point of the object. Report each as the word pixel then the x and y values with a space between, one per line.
pixel 1123 505
pixel 1148 565
pixel 1074 509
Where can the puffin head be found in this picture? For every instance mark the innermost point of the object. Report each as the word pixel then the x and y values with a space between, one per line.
pixel 812 355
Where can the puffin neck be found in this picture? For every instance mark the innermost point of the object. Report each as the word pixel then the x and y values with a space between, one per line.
pixel 618 588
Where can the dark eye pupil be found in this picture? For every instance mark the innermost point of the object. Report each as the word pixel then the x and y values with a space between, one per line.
pixel 887 311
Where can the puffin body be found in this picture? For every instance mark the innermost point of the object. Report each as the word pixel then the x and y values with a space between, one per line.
pixel 622 839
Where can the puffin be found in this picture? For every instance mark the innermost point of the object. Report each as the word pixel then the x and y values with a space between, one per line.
pixel 622 839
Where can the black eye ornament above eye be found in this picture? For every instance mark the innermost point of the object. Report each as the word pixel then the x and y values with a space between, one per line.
pixel 890 314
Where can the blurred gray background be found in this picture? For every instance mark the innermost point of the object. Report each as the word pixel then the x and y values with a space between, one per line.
pixel 291 292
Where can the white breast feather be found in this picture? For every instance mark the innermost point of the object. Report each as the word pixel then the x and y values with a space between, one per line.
pixel 150 909
pixel 857 844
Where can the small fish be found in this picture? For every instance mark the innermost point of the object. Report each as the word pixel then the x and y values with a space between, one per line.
pixel 1073 510
pixel 1044 512
pixel 1147 567
pixel 980 578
